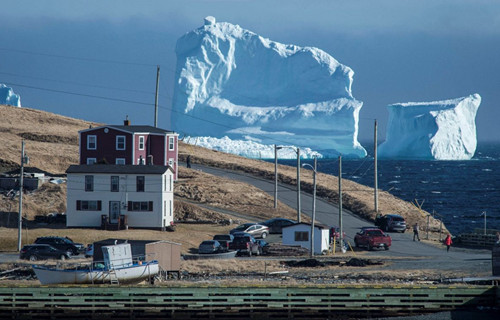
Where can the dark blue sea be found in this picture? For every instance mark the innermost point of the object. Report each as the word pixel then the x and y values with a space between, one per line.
pixel 459 192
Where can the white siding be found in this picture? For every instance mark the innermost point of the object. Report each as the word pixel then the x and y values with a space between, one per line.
pixel 102 191
pixel 321 241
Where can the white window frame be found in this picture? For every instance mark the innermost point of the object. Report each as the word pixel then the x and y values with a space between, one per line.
pixel 89 142
pixel 124 142
pixel 120 161
pixel 91 161
pixel 141 142
pixel 171 143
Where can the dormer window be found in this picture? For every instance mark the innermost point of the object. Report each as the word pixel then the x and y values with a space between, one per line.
pixel 91 142
pixel 120 142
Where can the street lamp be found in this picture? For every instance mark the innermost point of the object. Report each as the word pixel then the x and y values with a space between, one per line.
pixel 314 202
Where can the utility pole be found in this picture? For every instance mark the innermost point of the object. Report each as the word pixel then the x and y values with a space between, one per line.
pixel 313 208
pixel 24 160
pixel 156 95
pixel 340 204
pixel 276 148
pixel 376 171
pixel 298 185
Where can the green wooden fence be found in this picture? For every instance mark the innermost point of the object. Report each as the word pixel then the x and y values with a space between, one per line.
pixel 196 302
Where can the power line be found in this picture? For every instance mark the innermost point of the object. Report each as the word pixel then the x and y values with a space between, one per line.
pixel 78 58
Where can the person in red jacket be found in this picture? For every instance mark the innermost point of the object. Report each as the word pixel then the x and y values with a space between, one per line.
pixel 448 242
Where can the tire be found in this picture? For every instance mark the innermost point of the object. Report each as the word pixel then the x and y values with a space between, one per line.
pixel 356 244
pixel 69 253
pixel 403 231
pixel 264 235
pixel 386 247
pixel 33 258
pixel 370 248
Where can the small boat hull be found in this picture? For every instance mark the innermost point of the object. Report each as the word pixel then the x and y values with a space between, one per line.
pixel 131 274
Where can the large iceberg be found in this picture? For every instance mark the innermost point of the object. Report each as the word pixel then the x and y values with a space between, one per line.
pixel 234 83
pixel 440 130
pixel 7 96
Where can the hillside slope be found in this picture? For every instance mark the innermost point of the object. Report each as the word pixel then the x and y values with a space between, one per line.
pixel 52 144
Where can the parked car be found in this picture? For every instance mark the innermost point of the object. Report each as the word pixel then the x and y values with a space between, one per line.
pixel 255 229
pixel 224 240
pixel 264 246
pixel 246 245
pixel 65 244
pixel 276 225
pixel 210 246
pixel 89 251
pixel 372 238
pixel 35 252
pixel 391 222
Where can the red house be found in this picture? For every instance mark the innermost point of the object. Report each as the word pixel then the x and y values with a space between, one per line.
pixel 129 144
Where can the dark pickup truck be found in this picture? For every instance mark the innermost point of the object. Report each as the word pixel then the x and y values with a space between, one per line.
pixel 225 240
pixel 372 238
pixel 246 245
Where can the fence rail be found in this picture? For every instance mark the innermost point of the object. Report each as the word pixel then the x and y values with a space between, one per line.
pixel 251 302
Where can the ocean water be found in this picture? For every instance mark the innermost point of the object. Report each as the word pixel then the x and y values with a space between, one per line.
pixel 458 192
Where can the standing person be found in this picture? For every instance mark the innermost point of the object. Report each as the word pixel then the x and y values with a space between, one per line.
pixel 415 232
pixel 188 161
pixel 448 242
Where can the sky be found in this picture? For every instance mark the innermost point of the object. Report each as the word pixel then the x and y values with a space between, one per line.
pixel 97 60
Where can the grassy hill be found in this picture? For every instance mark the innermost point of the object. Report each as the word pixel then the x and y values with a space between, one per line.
pixel 52 145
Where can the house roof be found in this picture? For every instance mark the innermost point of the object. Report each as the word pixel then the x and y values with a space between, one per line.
pixel 132 129
pixel 316 225
pixel 118 168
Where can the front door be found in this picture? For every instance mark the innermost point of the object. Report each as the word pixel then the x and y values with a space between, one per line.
pixel 114 211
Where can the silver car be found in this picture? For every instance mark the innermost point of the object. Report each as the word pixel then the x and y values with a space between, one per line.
pixel 254 229
pixel 210 246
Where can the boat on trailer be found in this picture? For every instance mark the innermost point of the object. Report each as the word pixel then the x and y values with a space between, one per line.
pixel 117 267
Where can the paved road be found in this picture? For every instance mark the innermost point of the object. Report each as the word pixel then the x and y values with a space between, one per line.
pixel 406 253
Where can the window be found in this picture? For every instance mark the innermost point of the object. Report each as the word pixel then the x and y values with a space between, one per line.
pixel 115 183
pixel 170 143
pixel 140 206
pixel 141 142
pixel 171 162
pixel 89 183
pixel 170 182
pixel 140 183
pixel 91 142
pixel 301 236
pixel 120 142
pixel 88 205
pixel 120 161
pixel 170 207
pixel 91 160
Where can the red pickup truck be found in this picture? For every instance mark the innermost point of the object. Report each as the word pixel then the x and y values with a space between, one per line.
pixel 372 238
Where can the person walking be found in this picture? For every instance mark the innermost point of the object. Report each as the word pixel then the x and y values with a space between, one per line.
pixel 415 232
pixel 448 242
pixel 188 161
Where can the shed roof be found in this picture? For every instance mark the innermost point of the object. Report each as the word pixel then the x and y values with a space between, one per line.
pixel 316 225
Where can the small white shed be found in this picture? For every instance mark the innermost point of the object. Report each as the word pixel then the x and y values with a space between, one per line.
pixel 299 235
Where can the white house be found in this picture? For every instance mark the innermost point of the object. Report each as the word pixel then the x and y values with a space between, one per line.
pixel 299 235
pixel 143 194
